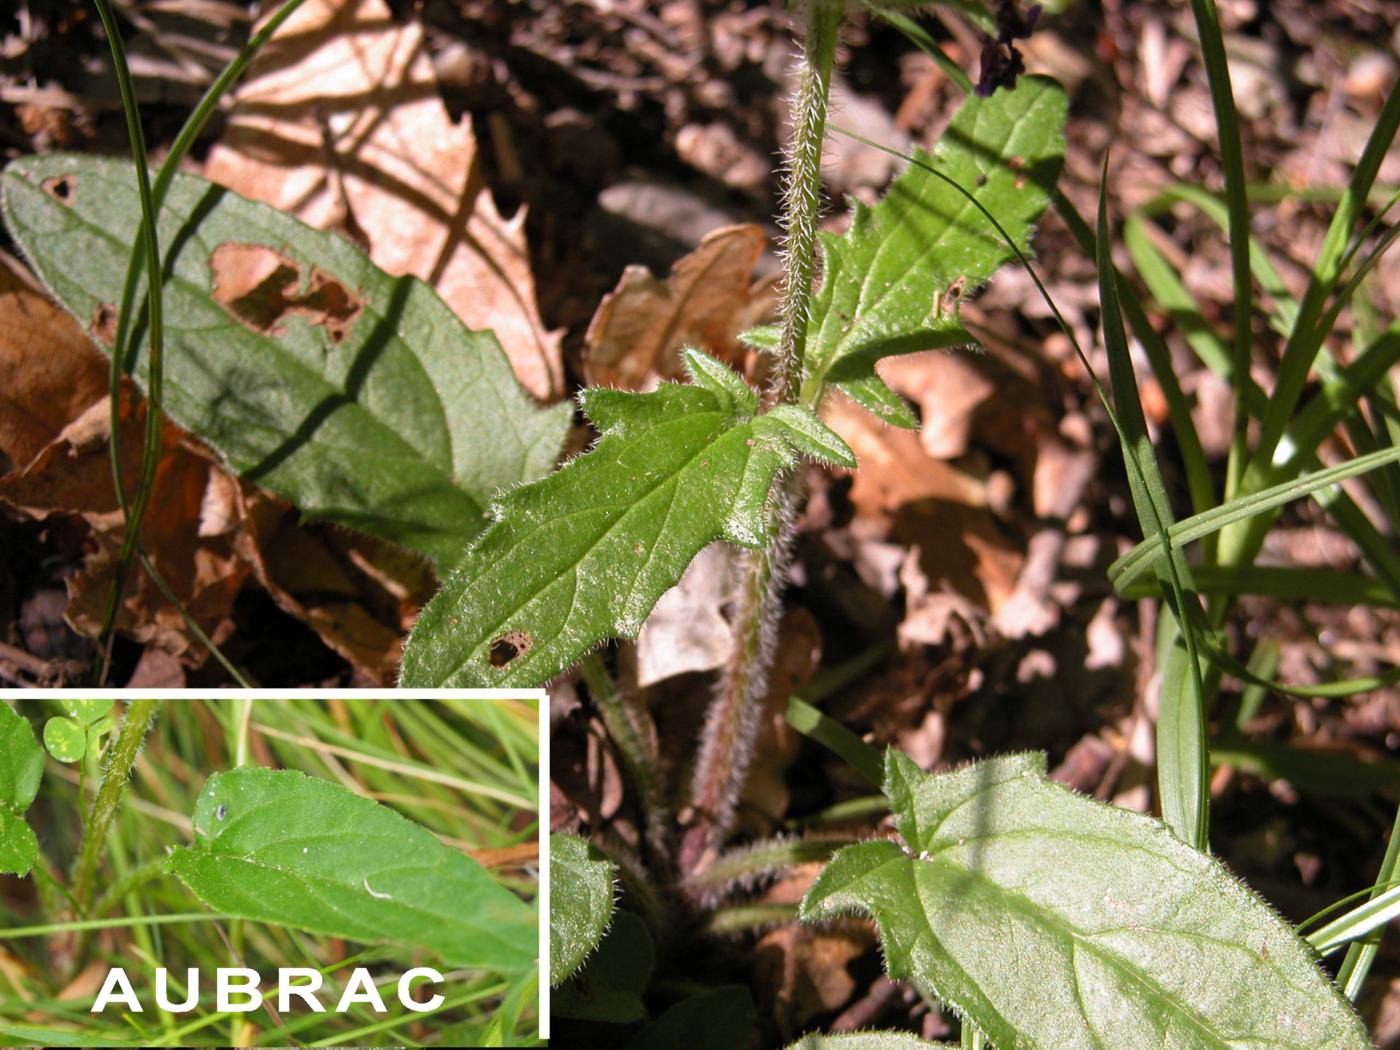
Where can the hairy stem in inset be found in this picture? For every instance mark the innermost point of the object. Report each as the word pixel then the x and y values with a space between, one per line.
pixel 732 721
pixel 120 759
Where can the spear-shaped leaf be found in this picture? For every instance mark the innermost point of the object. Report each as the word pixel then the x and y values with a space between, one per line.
pixel 584 554
pixel 1056 922
pixel 358 396
pixel 891 284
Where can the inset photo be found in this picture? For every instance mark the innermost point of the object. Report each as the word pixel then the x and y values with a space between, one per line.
pixel 256 870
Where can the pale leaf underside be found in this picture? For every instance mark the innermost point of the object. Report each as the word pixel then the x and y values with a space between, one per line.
pixel 1060 923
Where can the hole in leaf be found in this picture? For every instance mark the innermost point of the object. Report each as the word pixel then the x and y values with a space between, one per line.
pixel 508 647
pixel 104 323
pixel 61 188
pixel 262 288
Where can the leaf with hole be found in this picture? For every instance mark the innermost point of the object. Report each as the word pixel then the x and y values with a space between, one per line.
pixel 280 847
pixel 358 396
pixel 892 283
pixel 1058 922
pixel 584 554
pixel 21 767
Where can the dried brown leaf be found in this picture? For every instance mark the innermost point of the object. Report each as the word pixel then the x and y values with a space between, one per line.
pixel 340 123
pixel 708 298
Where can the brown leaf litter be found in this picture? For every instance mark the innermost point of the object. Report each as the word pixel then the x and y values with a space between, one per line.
pixel 339 123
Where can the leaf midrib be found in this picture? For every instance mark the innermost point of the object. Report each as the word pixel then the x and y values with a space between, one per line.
pixel 1056 926
pixel 672 478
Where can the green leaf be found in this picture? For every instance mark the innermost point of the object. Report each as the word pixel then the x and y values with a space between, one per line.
pixel 21 768
pixel 891 284
pixel 866 1041
pixel 280 847
pixel 359 397
pixel 584 554
pixel 580 903
pixel 19 849
pixel 610 987
pixel 21 761
pixel 1375 914
pixel 1054 921
pixel 811 437
pixel 86 712
pixel 31 1036
pixel 722 1019
pixel 502 1029
pixel 65 739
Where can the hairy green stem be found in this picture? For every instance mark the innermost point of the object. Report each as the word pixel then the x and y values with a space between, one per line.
pixel 120 760
pixel 732 721
pixel 802 191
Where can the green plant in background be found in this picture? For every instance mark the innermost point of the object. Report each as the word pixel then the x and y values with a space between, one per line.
pixel 362 835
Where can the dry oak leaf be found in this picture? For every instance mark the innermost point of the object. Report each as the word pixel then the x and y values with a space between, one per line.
pixel 357 593
pixel 49 372
pixel 928 504
pixel 183 534
pixel 54 431
pixel 709 297
pixel 340 124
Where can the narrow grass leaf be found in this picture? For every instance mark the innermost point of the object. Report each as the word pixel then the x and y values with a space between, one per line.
pixel 831 734
pixel 584 554
pixel 1227 126
pixel 1126 569
pixel 581 890
pixel 359 397
pixel 1307 336
pixel 1124 935
pixel 280 847
pixel 1356 964
pixel 1375 914
pixel 1183 763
